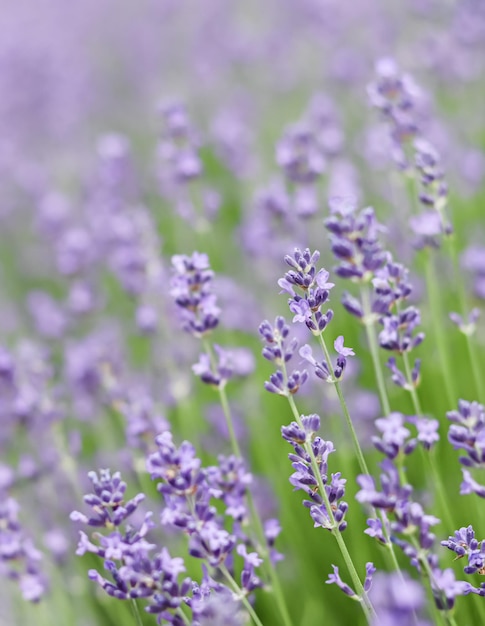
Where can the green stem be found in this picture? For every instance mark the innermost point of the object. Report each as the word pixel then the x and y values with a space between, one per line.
pixel 240 594
pixel 358 450
pixel 365 602
pixel 183 617
pixel 410 384
pixel 450 241
pixel 443 616
pixel 224 402
pixel 275 582
pixel 374 350
pixel 377 366
pixel 136 613
pixel 271 571
pixel 229 422
pixel 434 470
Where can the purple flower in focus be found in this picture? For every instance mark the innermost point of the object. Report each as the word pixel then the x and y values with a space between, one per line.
pixel 281 351
pixel 321 368
pixel 107 501
pixel 308 289
pixel 464 543
pixel 304 478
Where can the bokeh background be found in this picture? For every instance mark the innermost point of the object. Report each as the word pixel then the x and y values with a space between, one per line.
pixel 86 91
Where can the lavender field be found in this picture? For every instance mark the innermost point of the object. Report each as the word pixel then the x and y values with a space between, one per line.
pixel 242 278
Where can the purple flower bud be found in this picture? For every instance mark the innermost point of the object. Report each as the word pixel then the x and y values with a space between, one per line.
pixel 335 579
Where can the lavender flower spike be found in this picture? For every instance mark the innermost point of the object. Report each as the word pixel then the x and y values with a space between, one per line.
pixel 308 289
pixel 191 288
pixel 280 349
pixel 107 501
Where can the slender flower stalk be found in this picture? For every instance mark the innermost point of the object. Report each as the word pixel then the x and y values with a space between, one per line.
pixel 208 348
pixel 236 589
pixel 286 384
pixel 136 613
pixel 437 479
pixel 450 242
pixel 369 324
pixel 334 527
pixel 257 524
pixel 345 411
pixel 315 288
pixel 191 287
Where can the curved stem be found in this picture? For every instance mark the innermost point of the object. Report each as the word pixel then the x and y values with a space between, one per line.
pixel 363 465
pixel 374 350
pixel 365 601
pixel 434 471
pixel 183 617
pixel 237 590
pixel 268 565
pixel 358 450
pixel 450 241
pixel 443 616
pixel 224 402
pixel 136 613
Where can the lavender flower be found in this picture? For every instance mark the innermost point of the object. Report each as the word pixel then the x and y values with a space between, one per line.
pixel 191 287
pixel 435 189
pixel 395 440
pixel 392 493
pixel 335 579
pixel 133 571
pixel 276 348
pixel 300 156
pixel 399 379
pixel 466 327
pixel 304 478
pixel 308 289
pixel 446 588
pixel 427 430
pixel 107 501
pixel 467 432
pixel 470 485
pixel 230 363
pixel 321 368
pixel 398 99
pixel 279 350
pixel 398 332
pixel 188 490
pixel 142 576
pixel 19 559
pixel 464 543
pixel 178 148
pixel 398 600
pixel 354 240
